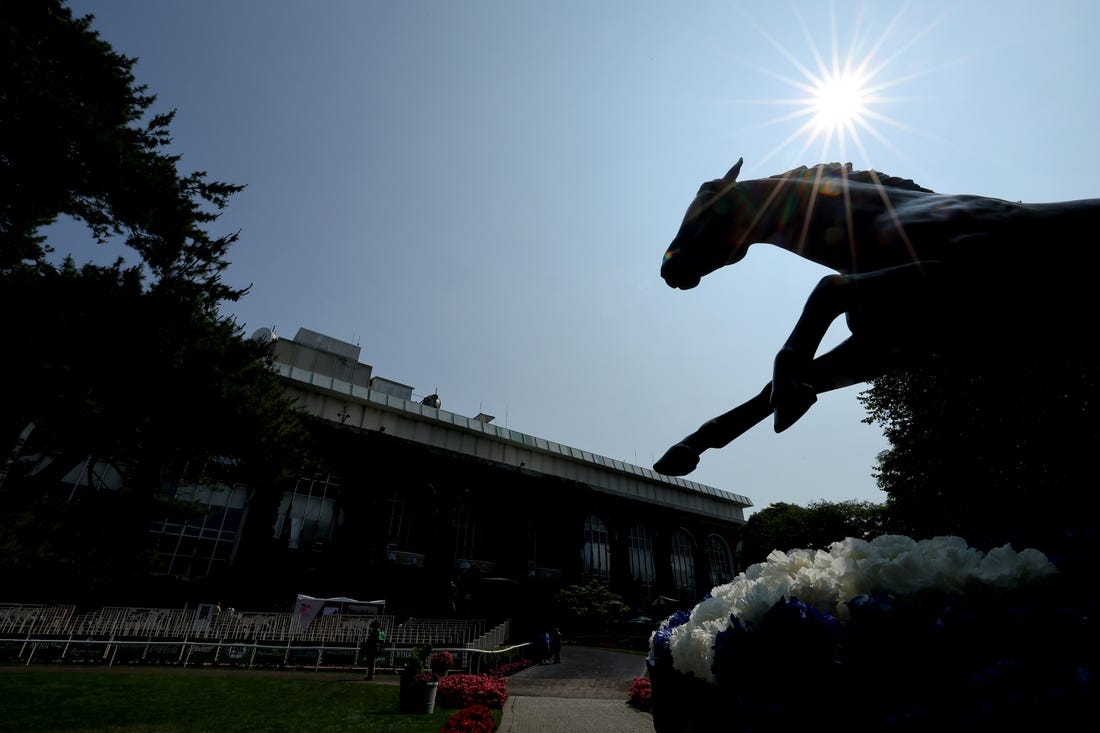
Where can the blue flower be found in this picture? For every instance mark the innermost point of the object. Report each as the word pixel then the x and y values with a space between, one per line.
pixel 661 637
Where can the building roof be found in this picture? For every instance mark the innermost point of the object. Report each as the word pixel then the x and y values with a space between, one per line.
pixel 412 420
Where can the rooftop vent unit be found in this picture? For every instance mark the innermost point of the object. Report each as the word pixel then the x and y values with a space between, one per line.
pixel 432 400
pixel 482 417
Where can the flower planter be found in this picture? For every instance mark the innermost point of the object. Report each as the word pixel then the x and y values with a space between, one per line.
pixel 1015 653
pixel 417 697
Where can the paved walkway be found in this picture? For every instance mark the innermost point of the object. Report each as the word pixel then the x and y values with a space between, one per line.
pixel 586 693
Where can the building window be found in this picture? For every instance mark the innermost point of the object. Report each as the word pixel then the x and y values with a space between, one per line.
pixel 193 547
pixel 597 549
pixel 91 474
pixel 683 566
pixel 307 514
pixel 532 543
pixel 719 560
pixel 641 557
pixel 397 533
pixel 464 524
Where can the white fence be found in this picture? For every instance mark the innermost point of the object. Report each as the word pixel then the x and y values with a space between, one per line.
pixel 40 633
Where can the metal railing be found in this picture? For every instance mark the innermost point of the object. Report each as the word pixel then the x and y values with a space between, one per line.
pixel 40 633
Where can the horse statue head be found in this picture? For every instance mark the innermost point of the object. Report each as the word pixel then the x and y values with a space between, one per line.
pixel 714 232
pixel 805 211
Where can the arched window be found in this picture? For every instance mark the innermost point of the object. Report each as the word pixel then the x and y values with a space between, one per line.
pixel 597 549
pixel 683 565
pixel 719 560
pixel 641 556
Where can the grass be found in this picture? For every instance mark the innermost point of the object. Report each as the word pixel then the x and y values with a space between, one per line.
pixel 165 700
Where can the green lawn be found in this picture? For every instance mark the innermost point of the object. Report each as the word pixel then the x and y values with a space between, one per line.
pixel 165 700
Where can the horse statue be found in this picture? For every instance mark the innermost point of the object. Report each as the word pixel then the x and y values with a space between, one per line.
pixel 919 275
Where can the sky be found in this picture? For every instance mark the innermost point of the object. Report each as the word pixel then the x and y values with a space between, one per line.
pixel 479 193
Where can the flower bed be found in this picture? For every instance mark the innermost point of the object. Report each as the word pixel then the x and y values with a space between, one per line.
pixel 464 690
pixel 891 634
pixel 473 719
pixel 511 667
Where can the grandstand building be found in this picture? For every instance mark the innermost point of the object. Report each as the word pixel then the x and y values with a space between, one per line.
pixel 451 515
pixel 440 514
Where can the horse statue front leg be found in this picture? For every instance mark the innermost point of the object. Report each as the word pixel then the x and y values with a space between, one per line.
pixel 894 314
pixel 898 308
pixel 792 395
pixel 789 385
pixel 853 361
pixel 682 458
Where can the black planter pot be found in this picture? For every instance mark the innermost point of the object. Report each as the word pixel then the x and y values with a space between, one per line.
pixel 417 697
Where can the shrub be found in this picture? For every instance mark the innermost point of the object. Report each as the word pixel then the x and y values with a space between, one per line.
pixel 464 690
pixel 640 693
pixel 474 719
pixel 416 668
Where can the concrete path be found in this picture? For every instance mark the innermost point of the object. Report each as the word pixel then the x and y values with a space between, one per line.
pixel 586 693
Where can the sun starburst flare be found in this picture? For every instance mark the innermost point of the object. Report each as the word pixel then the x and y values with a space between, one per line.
pixel 840 90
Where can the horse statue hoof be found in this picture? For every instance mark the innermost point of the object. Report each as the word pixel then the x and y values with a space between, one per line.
pixel 793 405
pixel 679 460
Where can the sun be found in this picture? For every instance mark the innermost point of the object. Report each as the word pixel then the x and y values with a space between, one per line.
pixel 843 72
pixel 839 103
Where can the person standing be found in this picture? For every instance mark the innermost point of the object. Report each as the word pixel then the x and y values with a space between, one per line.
pixel 542 647
pixel 555 644
pixel 373 647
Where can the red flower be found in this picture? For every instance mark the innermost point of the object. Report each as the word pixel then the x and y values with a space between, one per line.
pixel 472 719
pixel 640 693
pixel 464 690
pixel 440 662
pixel 511 667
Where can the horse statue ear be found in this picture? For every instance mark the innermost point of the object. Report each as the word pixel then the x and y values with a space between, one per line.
pixel 731 177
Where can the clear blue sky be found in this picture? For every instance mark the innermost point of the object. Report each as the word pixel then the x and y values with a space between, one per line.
pixel 479 193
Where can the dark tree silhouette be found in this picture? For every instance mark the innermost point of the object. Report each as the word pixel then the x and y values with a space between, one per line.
pixel 992 451
pixel 130 363
pixel 783 526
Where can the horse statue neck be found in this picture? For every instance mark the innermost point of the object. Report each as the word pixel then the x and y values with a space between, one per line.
pixel 824 213
pixel 784 213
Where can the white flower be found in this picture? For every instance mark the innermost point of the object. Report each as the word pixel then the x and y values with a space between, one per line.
pixel 1003 568
pixel 828 579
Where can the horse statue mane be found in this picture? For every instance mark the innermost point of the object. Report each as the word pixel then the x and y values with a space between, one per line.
pixel 844 172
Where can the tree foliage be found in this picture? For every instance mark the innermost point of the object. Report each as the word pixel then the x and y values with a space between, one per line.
pixel 591 604
pixel 994 451
pixel 129 363
pixel 79 139
pixel 783 526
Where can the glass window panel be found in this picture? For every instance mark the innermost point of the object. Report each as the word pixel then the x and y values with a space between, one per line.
pixel 719 560
pixel 597 548
pixel 641 555
pixel 683 566
pixel 308 513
